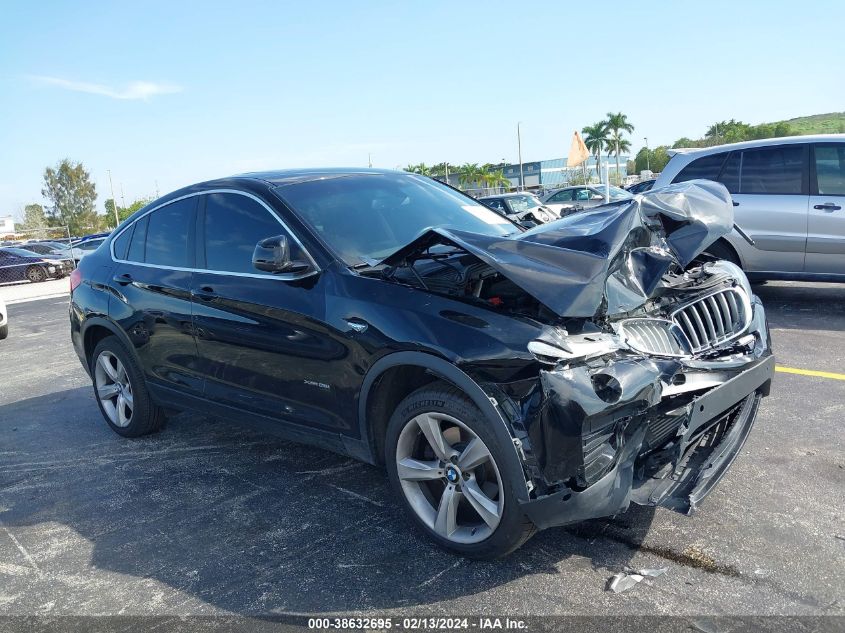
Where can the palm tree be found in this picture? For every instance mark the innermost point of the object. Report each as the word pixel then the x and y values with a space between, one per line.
pixel 422 169
pixel 493 179
pixel 595 138
pixel 617 124
pixel 470 173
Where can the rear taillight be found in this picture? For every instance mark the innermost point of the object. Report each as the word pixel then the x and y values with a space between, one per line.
pixel 75 279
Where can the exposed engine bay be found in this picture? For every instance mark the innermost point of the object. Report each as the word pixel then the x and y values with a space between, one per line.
pixel 652 359
pixel 458 274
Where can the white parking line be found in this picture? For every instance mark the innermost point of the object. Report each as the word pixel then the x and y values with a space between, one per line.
pixel 39 298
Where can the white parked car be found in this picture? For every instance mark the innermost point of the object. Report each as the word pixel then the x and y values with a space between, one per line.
pixel 789 198
pixel 83 248
pixel 578 197
pixel 4 321
pixel 523 208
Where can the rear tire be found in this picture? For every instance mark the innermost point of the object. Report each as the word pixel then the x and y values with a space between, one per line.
pixel 4 331
pixel 121 391
pixel 458 493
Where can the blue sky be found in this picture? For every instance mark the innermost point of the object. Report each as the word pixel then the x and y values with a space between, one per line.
pixel 176 92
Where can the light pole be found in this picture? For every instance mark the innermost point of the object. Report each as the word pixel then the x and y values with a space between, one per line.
pixel 519 149
pixel 113 201
pixel 647 161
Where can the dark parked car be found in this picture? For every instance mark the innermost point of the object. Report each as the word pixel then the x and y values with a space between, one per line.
pixel 641 186
pixel 509 380
pixel 18 264
pixel 53 251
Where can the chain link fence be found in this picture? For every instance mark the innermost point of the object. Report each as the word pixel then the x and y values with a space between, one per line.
pixel 36 255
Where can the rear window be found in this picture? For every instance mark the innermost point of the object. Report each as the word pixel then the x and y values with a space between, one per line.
pixel 121 243
pixel 167 234
pixel 772 170
pixel 139 239
pixel 706 167
pixel 730 172
pixel 161 237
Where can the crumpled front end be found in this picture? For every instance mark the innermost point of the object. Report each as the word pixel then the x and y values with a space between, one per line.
pixel 653 413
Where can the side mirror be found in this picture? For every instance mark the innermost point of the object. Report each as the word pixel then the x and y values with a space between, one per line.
pixel 272 255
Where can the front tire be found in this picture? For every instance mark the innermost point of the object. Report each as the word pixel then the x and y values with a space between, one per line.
pixel 4 331
pixel 36 274
pixel 449 470
pixel 121 391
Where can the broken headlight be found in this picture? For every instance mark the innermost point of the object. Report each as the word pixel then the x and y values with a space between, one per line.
pixel 556 346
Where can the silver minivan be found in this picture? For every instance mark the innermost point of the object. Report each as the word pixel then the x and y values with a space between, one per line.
pixel 789 198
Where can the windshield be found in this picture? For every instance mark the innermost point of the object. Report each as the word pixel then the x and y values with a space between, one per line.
pixel 523 203
pixel 366 217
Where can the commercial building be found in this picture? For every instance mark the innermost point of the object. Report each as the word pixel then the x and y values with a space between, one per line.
pixel 7 224
pixel 547 174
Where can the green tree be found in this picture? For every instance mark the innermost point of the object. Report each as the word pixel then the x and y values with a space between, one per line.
pixel 495 178
pixel 471 173
pixel 576 177
pixel 596 139
pixel 656 161
pixel 33 217
pixel 617 125
pixel 439 170
pixel 684 142
pixel 123 212
pixel 72 195
pixel 422 169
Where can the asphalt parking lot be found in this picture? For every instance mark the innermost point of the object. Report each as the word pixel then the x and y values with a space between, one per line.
pixel 208 518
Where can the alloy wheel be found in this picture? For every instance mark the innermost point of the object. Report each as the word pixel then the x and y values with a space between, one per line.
pixel 35 274
pixel 113 389
pixel 449 477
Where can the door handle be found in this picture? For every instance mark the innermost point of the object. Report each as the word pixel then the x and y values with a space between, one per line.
pixel 736 204
pixel 827 206
pixel 206 293
pixel 122 280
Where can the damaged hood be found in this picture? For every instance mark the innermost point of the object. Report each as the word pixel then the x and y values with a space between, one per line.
pixel 604 261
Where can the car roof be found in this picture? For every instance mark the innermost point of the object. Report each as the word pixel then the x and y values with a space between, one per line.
pixel 762 142
pixel 293 176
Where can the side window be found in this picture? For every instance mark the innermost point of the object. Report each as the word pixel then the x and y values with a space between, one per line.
pixel 772 170
pixel 706 167
pixel 562 196
pixel 583 194
pixel 730 172
pixel 138 241
pixel 830 169
pixel 167 234
pixel 120 244
pixel 234 224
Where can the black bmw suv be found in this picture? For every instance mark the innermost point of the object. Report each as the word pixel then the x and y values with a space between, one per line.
pixel 509 380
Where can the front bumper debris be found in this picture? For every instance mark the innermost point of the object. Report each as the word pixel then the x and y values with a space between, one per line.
pixel 609 435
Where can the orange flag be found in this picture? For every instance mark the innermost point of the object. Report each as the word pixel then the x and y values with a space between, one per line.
pixel 577 152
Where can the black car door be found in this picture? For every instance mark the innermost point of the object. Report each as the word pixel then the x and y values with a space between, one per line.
pixel 12 267
pixel 151 285
pixel 261 338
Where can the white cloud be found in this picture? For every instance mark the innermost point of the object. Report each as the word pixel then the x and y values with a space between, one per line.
pixel 133 90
